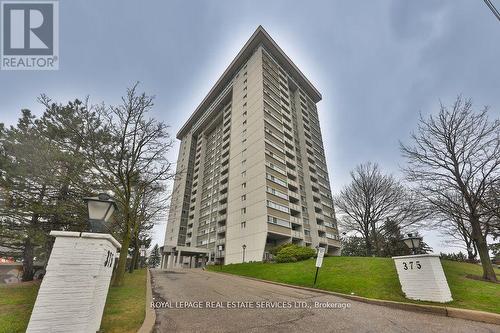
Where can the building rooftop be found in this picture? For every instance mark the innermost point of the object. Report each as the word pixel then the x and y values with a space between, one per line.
pixel 260 36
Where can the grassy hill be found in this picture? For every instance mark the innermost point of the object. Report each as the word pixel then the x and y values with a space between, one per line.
pixel 374 278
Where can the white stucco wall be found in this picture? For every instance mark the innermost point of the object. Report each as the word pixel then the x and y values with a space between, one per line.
pixel 422 278
pixel 73 292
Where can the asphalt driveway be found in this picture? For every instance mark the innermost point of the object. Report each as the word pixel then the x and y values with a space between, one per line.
pixel 193 300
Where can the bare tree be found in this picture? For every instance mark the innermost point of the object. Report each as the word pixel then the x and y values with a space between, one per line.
pixel 370 199
pixel 457 151
pixel 132 158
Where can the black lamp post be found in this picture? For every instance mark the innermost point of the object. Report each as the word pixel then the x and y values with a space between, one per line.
pixel 100 209
pixel 244 248
pixel 413 242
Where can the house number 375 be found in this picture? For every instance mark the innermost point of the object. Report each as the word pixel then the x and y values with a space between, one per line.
pixel 109 259
pixel 411 265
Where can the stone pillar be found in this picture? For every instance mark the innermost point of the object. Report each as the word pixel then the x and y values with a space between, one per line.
pixel 73 292
pixel 162 260
pixel 422 278
pixel 179 259
pixel 170 263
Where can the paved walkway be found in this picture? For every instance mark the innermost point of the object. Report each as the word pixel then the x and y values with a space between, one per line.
pixel 296 311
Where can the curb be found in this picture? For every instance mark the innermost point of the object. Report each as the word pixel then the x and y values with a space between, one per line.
pixel 150 318
pixel 474 315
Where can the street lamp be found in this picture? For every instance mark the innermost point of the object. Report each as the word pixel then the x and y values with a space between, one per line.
pixel 220 247
pixel 100 209
pixel 142 254
pixel 413 242
pixel 244 248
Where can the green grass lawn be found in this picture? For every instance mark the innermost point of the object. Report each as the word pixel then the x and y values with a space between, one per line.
pixel 124 311
pixel 16 303
pixel 374 278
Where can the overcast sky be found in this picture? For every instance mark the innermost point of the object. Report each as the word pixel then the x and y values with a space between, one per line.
pixel 377 63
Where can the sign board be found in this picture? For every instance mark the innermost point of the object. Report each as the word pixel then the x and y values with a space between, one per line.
pixel 77 280
pixel 319 259
pixel 422 278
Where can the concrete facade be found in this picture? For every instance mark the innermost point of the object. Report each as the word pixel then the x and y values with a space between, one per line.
pixel 73 292
pixel 251 169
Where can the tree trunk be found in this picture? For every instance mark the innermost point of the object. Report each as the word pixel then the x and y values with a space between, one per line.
pixel 482 248
pixel 122 260
pixel 28 267
pixel 137 257
pixel 134 261
pixel 368 245
pixel 375 240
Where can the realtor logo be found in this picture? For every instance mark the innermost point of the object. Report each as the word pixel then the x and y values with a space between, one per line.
pixel 30 35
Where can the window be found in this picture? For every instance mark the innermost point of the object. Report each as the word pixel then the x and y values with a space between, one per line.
pixel 244 210
pixel 243 225
pixel 243 197
pixel 277 206
pixel 244 185
pixel 278 221
pixel 277 193
pixel 243 174
pixel 244 122
pixel 245 112
pixel 276 180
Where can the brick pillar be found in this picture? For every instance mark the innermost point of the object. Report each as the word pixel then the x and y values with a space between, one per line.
pixel 74 289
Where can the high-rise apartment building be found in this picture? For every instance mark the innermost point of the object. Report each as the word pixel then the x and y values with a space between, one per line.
pixel 251 169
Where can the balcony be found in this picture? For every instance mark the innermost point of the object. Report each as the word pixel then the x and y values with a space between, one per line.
pixel 297 234
pixel 293 197
pixel 223 198
pixel 291 173
pixel 222 218
pixel 223 207
pixel 289 143
pixel 295 220
pixel 220 241
pixel 321 227
pixel 323 240
pixel 289 152
pixel 333 242
pixel 221 229
pixel 292 184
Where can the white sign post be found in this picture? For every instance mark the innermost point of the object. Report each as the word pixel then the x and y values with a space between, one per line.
pixel 319 262
pixel 422 278
pixel 73 292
